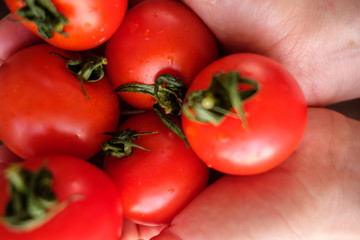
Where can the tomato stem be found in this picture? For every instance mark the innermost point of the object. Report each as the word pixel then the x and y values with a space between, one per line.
pixel 89 68
pixel 46 17
pixel 223 96
pixel 168 92
pixel 33 202
pixel 121 145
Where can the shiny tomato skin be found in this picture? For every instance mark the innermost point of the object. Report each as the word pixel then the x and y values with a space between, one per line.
pixel 275 117
pixel 158 37
pixel 43 110
pixel 155 185
pixel 95 214
pixel 90 22
pixel 7 157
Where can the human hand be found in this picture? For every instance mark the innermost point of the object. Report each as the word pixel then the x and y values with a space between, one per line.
pixel 315 193
pixel 14 36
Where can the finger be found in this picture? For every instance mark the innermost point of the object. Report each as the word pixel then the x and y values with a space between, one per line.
pixel 13 37
pixel 319 184
pixel 132 231
pixel 317 41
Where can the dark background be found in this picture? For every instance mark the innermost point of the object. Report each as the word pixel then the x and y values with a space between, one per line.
pixel 3 9
pixel 349 108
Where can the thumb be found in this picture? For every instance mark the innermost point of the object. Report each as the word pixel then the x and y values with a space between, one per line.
pixel 317 41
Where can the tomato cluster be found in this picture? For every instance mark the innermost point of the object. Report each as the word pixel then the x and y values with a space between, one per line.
pixel 130 124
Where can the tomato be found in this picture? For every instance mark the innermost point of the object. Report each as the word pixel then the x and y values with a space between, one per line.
pixel 7 157
pixel 155 184
pixel 43 110
pixel 68 24
pixel 87 204
pixel 272 126
pixel 158 37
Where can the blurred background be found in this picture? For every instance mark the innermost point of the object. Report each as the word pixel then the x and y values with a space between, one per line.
pixel 348 108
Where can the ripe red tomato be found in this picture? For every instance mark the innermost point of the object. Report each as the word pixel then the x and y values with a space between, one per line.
pixel 43 110
pixel 78 25
pixel 92 207
pixel 158 37
pixel 155 185
pixel 275 118
pixel 7 157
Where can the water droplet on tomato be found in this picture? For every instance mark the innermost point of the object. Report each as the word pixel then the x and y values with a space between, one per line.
pixel 131 70
pixel 133 27
pixel 170 59
pixel 223 138
pixel 209 165
pixel 147 34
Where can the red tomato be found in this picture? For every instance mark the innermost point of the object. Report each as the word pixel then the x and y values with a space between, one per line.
pixel 275 118
pixel 158 37
pixel 43 110
pixel 93 209
pixel 88 23
pixel 7 157
pixel 155 185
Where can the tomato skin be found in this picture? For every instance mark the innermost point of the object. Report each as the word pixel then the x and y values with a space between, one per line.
pixel 43 110
pixel 158 37
pixel 96 215
pixel 7 157
pixel 155 185
pixel 91 22
pixel 275 117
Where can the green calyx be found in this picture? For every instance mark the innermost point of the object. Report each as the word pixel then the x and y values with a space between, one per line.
pixel 32 200
pixel 46 17
pixel 223 96
pixel 31 197
pixel 89 68
pixel 121 145
pixel 168 92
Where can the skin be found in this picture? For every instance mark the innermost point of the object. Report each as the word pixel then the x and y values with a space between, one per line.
pixel 315 193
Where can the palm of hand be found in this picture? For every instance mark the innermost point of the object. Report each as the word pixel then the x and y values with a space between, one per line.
pixel 315 194
pixel 310 196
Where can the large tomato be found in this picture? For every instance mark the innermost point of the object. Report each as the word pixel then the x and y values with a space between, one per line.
pixel 155 184
pixel 69 24
pixel 74 200
pixel 158 37
pixel 257 135
pixel 43 109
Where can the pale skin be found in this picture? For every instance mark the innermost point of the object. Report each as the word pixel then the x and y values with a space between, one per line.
pixel 315 194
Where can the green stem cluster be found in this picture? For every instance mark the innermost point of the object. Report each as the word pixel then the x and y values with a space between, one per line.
pixel 32 197
pixel 46 17
pixel 88 68
pixel 221 98
pixel 168 92
pixel 120 144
